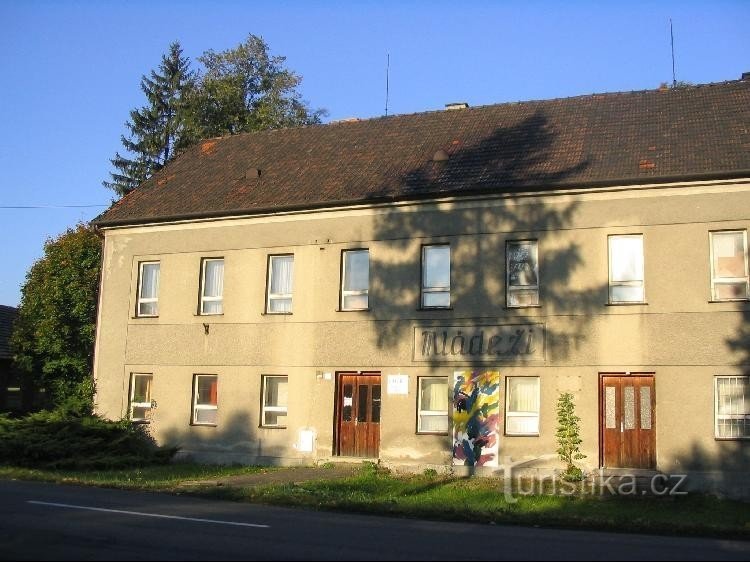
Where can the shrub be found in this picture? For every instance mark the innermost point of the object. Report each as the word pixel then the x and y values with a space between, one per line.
pixel 569 437
pixel 58 440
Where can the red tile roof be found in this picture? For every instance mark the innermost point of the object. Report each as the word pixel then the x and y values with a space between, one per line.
pixel 602 139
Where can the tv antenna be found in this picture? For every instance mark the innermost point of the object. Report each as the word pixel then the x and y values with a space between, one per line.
pixel 671 35
pixel 387 83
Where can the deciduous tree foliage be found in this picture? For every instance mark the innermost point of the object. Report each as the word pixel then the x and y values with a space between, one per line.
pixel 53 337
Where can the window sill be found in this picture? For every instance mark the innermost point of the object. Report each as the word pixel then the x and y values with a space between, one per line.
pixel 276 313
pixel 193 424
pixel 523 306
pixel 272 426
pixel 208 314
pixel 428 308
pixel 353 310
pixel 729 300
pixel 641 303
pixel 144 317
pixel 141 422
pixel 731 438
pixel 436 433
pixel 521 434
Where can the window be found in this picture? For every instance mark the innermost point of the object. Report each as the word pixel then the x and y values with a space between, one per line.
pixel 522 406
pixel 522 271
pixel 274 400
pixel 280 280
pixel 212 286
pixel 433 405
pixel 733 407
pixel 140 397
pixel 436 276
pixel 355 279
pixel 205 399
pixel 729 278
pixel 626 269
pixel 148 289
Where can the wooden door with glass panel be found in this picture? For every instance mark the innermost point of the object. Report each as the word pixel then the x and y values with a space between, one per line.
pixel 628 422
pixel 358 415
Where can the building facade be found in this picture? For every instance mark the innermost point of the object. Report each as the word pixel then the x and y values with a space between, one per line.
pixel 422 289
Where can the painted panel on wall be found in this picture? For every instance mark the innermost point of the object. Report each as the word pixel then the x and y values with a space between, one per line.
pixel 476 417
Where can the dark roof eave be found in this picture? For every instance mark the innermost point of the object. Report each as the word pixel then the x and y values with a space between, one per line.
pixel 633 180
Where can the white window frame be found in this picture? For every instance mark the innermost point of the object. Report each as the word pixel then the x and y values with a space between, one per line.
pixel 534 244
pixel 197 407
pixel 358 293
pixel 278 296
pixel 718 416
pixel 630 283
pixel 204 298
pixel 273 409
pixel 134 405
pixel 728 280
pixel 510 414
pixel 421 412
pixel 427 290
pixel 142 300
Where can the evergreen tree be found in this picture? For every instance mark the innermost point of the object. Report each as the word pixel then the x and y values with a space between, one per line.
pixel 156 129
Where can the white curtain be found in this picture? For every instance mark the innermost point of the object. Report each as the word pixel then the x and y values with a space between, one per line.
pixel 150 281
pixel 524 395
pixel 627 258
pixel 213 287
pixel 282 275
pixel 437 267
pixel 357 271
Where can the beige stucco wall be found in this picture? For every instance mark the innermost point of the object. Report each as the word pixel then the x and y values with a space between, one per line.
pixel 679 335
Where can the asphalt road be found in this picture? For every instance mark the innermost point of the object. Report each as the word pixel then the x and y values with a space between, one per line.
pixel 50 522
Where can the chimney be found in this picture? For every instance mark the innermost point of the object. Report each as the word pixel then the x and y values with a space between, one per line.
pixel 457 105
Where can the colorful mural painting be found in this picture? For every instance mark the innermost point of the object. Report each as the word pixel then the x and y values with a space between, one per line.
pixel 476 417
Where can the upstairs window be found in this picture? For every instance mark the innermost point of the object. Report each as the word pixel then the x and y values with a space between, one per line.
pixel 436 276
pixel 355 279
pixel 280 282
pixel 522 271
pixel 140 397
pixel 626 278
pixel 148 289
pixel 205 399
pixel 729 278
pixel 212 286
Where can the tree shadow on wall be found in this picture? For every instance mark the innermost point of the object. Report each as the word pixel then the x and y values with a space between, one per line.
pixel 235 439
pixel 509 161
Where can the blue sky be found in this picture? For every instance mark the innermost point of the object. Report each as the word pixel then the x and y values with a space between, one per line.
pixel 70 73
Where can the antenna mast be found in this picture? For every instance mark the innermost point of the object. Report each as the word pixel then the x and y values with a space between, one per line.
pixel 387 77
pixel 671 35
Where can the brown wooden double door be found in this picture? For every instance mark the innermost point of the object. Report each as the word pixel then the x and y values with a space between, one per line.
pixel 358 415
pixel 628 421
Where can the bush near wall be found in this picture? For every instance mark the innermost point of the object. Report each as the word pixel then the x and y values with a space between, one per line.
pixel 55 440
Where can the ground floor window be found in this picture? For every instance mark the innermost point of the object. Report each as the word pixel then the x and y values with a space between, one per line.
pixel 522 406
pixel 433 405
pixel 733 407
pixel 140 396
pixel 274 400
pixel 205 399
